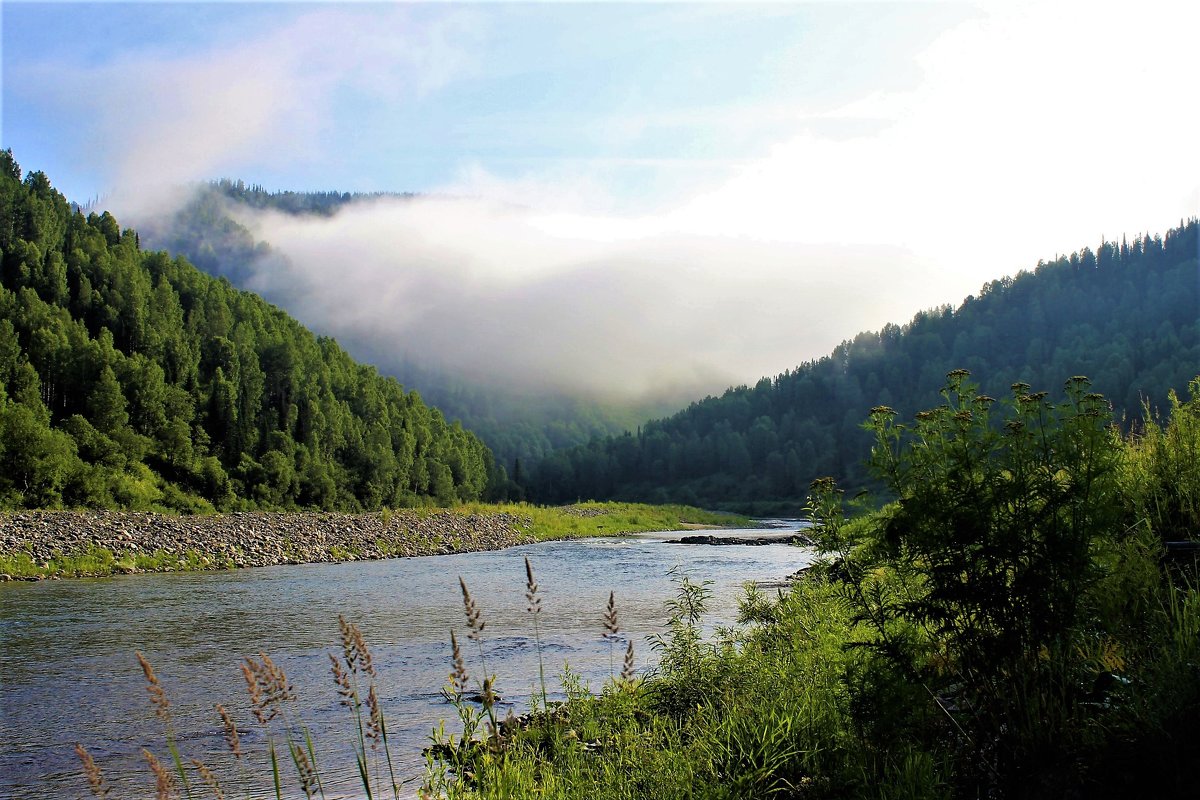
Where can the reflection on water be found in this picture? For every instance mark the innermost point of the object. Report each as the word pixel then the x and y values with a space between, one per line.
pixel 69 675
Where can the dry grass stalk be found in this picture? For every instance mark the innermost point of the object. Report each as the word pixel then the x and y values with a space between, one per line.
pixel 531 590
pixel 158 697
pixel 305 769
pixel 458 677
pixel 95 779
pixel 472 611
pixel 347 642
pixel 611 628
pixel 364 653
pixel 345 688
pixel 258 700
pixel 268 687
pixel 535 608
pixel 164 785
pixel 209 778
pixel 354 648
pixel 279 689
pixel 627 667
pixel 375 722
pixel 231 732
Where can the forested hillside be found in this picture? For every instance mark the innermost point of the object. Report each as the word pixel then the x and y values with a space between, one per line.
pixel 130 379
pixel 1126 315
pixel 520 427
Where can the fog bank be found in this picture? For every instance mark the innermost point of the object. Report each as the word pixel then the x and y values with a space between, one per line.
pixel 619 309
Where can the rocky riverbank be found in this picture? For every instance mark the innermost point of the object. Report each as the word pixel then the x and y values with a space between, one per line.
pixel 62 543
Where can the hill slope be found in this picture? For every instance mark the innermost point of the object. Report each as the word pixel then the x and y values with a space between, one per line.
pixel 130 379
pixel 1127 316
pixel 517 425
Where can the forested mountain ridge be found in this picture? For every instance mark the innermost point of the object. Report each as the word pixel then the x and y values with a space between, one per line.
pixel 130 379
pixel 1126 315
pixel 520 427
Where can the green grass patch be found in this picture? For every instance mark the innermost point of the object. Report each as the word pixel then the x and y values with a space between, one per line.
pixel 99 562
pixel 607 519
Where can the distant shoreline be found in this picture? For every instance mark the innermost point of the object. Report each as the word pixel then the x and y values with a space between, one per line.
pixel 37 545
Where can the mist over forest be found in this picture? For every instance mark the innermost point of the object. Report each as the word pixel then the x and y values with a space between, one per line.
pixel 516 298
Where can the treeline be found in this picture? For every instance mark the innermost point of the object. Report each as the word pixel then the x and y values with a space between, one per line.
pixel 129 379
pixel 322 203
pixel 1126 315
pixel 520 427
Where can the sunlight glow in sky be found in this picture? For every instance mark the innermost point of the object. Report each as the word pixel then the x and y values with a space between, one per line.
pixel 794 172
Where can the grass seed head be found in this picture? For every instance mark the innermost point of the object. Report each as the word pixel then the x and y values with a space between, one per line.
pixel 611 628
pixel 231 732
pixel 164 784
pixel 95 779
pixel 345 688
pixel 474 622
pixel 260 701
pixel 375 721
pixel 158 697
pixel 209 778
pixel 305 770
pixel 458 677
pixel 362 651
pixel 347 643
pixel 531 590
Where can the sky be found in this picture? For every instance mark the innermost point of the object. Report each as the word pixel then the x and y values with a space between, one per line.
pixel 624 198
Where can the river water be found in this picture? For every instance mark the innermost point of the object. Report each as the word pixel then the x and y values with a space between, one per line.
pixel 68 672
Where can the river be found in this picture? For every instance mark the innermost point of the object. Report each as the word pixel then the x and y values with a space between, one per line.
pixel 68 672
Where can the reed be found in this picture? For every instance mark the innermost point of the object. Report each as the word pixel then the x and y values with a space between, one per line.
pixel 371 728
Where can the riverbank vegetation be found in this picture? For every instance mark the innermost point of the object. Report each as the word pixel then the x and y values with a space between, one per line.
pixel 607 519
pixel 1124 314
pixel 1012 625
pixel 131 380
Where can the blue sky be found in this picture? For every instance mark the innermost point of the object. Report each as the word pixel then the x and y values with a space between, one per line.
pixel 650 100
pixel 798 172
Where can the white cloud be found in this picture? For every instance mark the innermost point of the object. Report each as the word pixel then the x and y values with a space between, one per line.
pixel 1037 129
pixel 156 119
